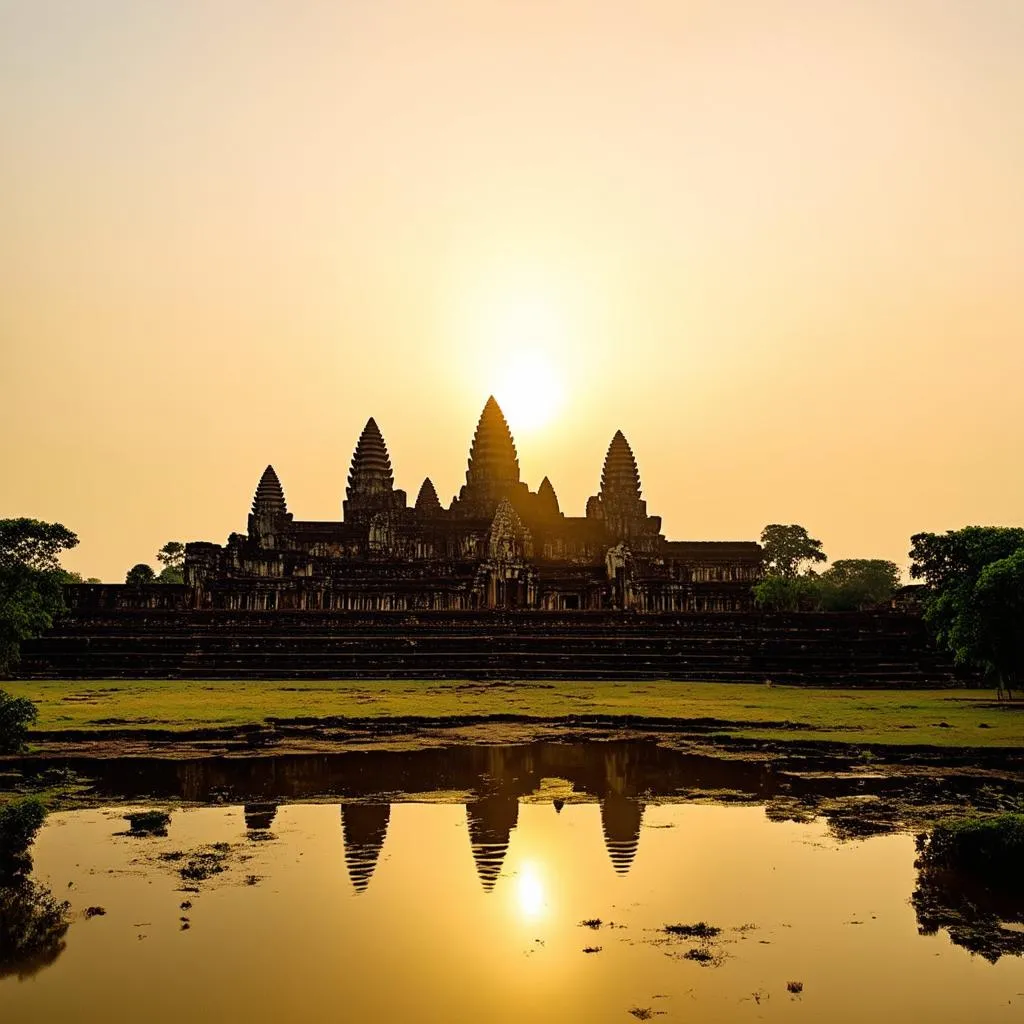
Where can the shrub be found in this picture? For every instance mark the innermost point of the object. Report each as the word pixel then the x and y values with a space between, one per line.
pixel 16 715
pixel 148 823
pixel 19 822
pixel 993 847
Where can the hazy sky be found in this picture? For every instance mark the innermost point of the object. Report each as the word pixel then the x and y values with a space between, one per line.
pixel 780 243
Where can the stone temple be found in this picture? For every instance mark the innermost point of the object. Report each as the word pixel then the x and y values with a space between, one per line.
pixel 498 545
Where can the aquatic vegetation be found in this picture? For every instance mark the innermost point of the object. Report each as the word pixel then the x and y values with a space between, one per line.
pixel 592 949
pixel 989 846
pixel 700 930
pixel 201 864
pixel 591 922
pixel 148 823
pixel 795 987
pixel 95 912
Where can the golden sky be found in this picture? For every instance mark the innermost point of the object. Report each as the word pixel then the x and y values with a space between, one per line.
pixel 780 243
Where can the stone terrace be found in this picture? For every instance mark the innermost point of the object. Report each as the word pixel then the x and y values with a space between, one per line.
pixel 871 649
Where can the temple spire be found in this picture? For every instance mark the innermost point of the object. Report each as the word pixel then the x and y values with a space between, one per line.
pixel 371 465
pixel 371 484
pixel 492 472
pixel 269 497
pixel 427 502
pixel 547 500
pixel 620 478
pixel 492 456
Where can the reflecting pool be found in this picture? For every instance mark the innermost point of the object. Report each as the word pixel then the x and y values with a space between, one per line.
pixel 547 882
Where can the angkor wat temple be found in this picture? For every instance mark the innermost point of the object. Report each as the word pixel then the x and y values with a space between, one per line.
pixel 498 545
pixel 501 584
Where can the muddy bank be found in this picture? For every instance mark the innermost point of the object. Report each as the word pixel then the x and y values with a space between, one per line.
pixel 718 738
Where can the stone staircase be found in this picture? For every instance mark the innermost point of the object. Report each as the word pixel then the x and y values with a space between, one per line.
pixel 861 649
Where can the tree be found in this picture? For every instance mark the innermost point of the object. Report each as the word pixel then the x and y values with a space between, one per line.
pixel 139 574
pixel 852 584
pixel 990 630
pixel 172 555
pixel 16 715
pixel 31 581
pixel 33 544
pixel 787 548
pixel 973 603
pixel 170 575
pixel 784 594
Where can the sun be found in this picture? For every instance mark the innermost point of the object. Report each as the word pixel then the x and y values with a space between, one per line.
pixel 529 337
pixel 529 391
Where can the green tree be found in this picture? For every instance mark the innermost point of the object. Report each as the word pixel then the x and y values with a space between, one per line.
pixel 787 548
pixel 990 631
pixel 852 584
pixel 972 603
pixel 172 555
pixel 783 594
pixel 16 715
pixel 140 573
pixel 31 581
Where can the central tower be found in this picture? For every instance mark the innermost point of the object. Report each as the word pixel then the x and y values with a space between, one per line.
pixel 493 469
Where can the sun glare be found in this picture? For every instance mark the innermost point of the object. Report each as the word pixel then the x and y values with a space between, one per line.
pixel 528 336
pixel 530 891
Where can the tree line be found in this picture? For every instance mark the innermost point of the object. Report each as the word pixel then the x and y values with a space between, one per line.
pixel 792 584
pixel 971 594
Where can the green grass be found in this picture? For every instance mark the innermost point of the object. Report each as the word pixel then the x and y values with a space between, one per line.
pixel 851 716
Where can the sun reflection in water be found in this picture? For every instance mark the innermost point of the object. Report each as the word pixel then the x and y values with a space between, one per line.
pixel 530 891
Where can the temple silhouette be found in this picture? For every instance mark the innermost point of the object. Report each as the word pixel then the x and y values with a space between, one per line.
pixel 500 584
pixel 498 545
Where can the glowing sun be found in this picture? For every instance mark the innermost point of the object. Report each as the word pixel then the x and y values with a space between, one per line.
pixel 527 383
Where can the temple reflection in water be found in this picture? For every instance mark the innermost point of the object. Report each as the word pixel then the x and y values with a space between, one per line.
pixel 620 776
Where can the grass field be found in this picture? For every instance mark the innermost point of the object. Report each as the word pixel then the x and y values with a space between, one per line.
pixel 947 718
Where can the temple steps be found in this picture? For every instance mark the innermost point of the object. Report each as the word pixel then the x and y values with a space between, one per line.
pixel 851 650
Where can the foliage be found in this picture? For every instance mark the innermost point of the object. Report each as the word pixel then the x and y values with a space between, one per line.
pixel 786 594
pixel 140 573
pixel 20 820
pixel 975 579
pixel 787 548
pixel 32 928
pixel 31 581
pixel 172 555
pixel 852 584
pixel 148 823
pixel 991 847
pixel 16 715
pixel 33 544
pixel 170 574
pixel 32 921
pixel 994 622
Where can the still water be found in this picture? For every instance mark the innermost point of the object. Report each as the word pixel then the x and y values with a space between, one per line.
pixel 452 886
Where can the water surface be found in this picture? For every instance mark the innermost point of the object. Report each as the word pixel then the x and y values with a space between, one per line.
pixel 387 902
